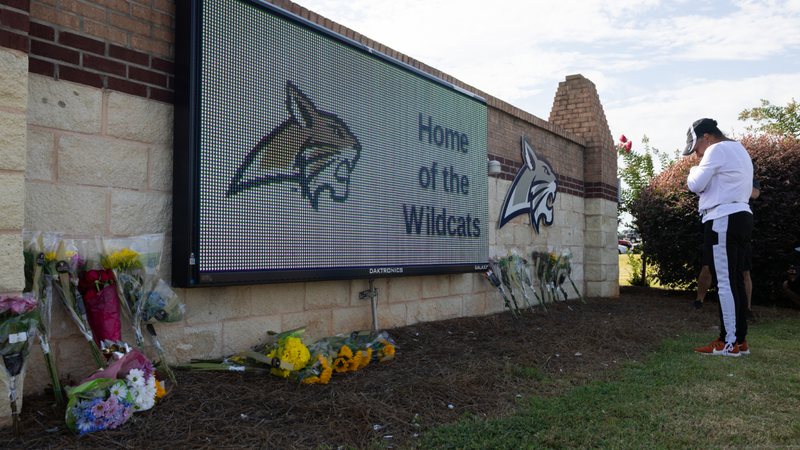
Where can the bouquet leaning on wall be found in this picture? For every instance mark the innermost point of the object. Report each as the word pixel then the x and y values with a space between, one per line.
pixel 19 320
pixel 145 298
pixel 34 252
pixel 62 273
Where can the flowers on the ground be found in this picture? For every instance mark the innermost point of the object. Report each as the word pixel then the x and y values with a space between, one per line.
pixel 289 355
pixel 97 414
pixel 285 355
pixel 107 399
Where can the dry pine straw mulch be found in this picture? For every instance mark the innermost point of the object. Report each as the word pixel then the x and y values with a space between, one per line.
pixel 479 366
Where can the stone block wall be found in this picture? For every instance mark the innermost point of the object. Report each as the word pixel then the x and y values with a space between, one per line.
pixel 86 89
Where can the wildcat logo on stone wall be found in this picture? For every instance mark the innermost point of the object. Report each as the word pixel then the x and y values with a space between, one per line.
pixel 312 148
pixel 533 191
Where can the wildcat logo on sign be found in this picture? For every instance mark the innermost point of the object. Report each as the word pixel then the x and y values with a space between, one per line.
pixel 312 148
pixel 533 191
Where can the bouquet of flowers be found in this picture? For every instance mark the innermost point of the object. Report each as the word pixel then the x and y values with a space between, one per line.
pixel 34 251
pixel 355 351
pixel 98 287
pixel 64 277
pixel 109 397
pixel 281 354
pixel 552 271
pixel 319 368
pixel 135 262
pixel 19 320
pixel 495 276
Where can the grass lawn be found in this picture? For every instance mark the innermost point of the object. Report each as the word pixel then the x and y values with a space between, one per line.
pixel 674 399
pixel 625 270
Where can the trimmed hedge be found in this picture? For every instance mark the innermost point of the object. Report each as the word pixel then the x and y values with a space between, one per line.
pixel 667 218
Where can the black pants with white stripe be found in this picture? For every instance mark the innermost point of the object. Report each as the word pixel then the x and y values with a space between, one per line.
pixel 728 239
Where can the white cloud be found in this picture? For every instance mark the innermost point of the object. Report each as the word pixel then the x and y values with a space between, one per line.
pixel 653 62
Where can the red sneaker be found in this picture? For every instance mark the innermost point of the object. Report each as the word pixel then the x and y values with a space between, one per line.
pixel 744 349
pixel 719 348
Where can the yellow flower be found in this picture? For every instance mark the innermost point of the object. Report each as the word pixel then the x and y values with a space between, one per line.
pixel 160 390
pixel 292 354
pixel 363 357
pixel 386 352
pixel 325 372
pixel 123 259
pixel 50 256
pixel 341 364
pixel 346 352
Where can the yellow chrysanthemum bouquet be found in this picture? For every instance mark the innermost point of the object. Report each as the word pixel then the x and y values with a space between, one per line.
pixel 285 355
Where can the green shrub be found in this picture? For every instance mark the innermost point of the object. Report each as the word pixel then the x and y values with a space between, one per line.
pixel 667 218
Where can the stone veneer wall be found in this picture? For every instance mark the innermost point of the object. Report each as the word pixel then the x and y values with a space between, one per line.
pixel 89 99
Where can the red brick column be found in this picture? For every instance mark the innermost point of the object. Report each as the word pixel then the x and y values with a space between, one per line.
pixel 577 108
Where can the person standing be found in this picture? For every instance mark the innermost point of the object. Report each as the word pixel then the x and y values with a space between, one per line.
pixel 704 278
pixel 723 179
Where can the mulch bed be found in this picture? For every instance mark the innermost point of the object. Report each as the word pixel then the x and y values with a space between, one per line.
pixel 481 366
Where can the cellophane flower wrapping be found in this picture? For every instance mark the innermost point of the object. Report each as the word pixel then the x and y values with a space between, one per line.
pixel 287 352
pixel 136 262
pixel 62 273
pixel 349 353
pixel 19 321
pixel 98 288
pixel 162 305
pixel 97 405
pixel 106 399
pixel 34 251
pixel 320 366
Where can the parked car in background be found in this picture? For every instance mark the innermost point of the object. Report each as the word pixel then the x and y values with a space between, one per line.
pixel 624 246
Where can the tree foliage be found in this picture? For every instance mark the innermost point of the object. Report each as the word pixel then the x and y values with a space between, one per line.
pixel 666 215
pixel 773 119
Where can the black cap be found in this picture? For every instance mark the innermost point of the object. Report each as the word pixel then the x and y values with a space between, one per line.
pixel 698 128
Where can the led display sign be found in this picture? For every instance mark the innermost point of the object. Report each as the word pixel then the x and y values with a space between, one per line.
pixel 302 155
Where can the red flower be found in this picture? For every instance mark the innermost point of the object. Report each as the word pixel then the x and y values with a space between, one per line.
pixel 623 139
pixel 628 146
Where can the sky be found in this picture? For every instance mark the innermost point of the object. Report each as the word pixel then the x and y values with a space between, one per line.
pixel 657 65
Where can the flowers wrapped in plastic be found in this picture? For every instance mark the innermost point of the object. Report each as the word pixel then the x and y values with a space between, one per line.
pixel 98 287
pixel 281 354
pixel 146 299
pixel 19 320
pixel 64 275
pixel 285 355
pixel 108 398
pixel 34 251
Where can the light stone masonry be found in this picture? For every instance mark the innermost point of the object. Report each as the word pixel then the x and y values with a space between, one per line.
pixel 327 294
pixel 435 309
pixel 139 119
pixel 75 210
pixel 12 277
pixel 97 161
pixel 13 144
pixel 12 209
pixel 63 105
pixel 242 334
pixel 41 156
pixel 13 79
pixel 134 212
pixel 159 173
